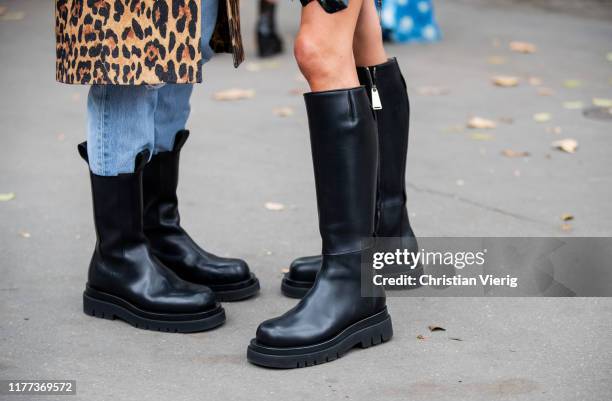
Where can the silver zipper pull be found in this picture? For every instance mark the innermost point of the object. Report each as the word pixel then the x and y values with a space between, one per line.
pixel 376 103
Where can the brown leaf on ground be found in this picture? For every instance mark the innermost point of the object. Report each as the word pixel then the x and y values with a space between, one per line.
pixel 567 217
pixel 554 130
pixel 283 111
pixel 274 206
pixel 433 327
pixel 298 91
pixel 12 16
pixel 535 81
pixel 514 153
pixel 420 337
pixel 496 60
pixel 455 338
pixel 568 145
pixel 522 47
pixel 480 123
pixel 234 94
pixel 505 81
pixel 545 91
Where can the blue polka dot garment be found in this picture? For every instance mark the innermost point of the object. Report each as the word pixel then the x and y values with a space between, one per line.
pixel 409 21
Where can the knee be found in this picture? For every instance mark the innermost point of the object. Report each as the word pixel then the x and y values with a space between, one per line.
pixel 314 58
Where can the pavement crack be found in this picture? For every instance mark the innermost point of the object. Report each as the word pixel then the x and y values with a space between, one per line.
pixel 474 203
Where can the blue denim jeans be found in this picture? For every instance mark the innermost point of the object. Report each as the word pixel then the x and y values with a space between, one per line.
pixel 123 120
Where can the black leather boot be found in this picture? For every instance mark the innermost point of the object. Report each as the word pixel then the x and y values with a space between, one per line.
pixel 387 91
pixel 230 279
pixel 269 42
pixel 126 280
pixel 333 317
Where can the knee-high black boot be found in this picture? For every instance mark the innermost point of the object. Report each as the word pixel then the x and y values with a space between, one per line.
pixel 229 278
pixel 269 42
pixel 333 317
pixel 125 279
pixel 387 92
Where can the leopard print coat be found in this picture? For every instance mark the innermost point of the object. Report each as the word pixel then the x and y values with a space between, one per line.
pixel 133 42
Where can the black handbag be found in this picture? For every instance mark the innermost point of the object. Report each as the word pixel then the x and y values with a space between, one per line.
pixel 330 6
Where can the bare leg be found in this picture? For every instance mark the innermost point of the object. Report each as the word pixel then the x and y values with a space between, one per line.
pixel 367 44
pixel 323 47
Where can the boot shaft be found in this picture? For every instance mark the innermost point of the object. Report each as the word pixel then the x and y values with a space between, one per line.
pixel 386 82
pixel 344 153
pixel 117 207
pixel 160 183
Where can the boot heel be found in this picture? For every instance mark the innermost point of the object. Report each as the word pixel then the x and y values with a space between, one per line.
pixel 377 334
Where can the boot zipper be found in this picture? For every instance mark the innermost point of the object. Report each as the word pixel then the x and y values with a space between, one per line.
pixel 376 103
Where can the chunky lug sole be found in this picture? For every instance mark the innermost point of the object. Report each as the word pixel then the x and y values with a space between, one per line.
pixel 107 306
pixel 297 289
pixel 236 291
pixel 373 330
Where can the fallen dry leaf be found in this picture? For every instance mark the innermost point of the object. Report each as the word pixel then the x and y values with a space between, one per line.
pixel 535 81
pixel 567 217
pixel 455 339
pixel 601 102
pixel 480 123
pixel 234 94
pixel 505 81
pixel 274 206
pixel 435 328
pixel 297 91
pixel 12 16
pixel 514 153
pixel 572 83
pixel 545 91
pixel 496 60
pixel 283 111
pixel 420 337
pixel 573 105
pixel 433 91
pixel 481 136
pixel 542 117
pixel 568 145
pixel 522 47
pixel 7 196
